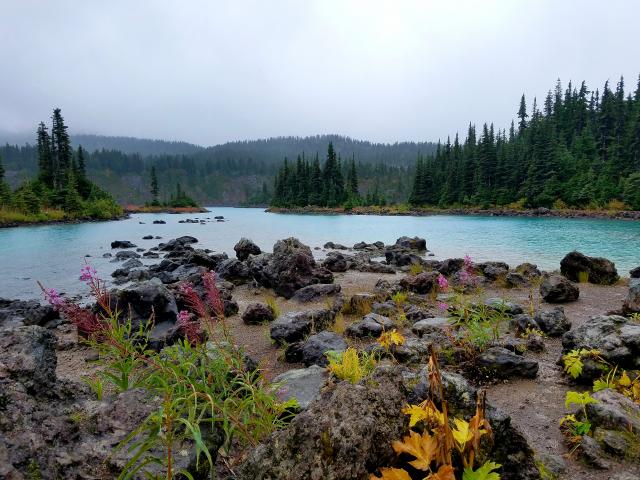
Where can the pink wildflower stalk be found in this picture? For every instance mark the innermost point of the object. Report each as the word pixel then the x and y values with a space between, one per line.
pixel 193 300
pixel 213 297
pixel 190 328
pixel 443 306
pixel 443 283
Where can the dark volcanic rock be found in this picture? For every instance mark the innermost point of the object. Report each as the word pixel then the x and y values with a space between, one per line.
pixel 415 243
pixel 493 270
pixel 529 270
pixel 257 313
pixel 553 322
pixel 634 273
pixel 430 325
pixel 293 326
pixel 246 247
pixel 557 289
pixel 501 305
pixel 425 282
pixel 401 258
pixel 344 434
pixel 122 244
pixel 501 363
pixel 334 246
pixel 597 270
pixel 632 302
pixel 450 266
pixel 336 262
pixel 126 254
pixel 234 271
pixel 146 299
pixel 314 348
pixel 316 291
pixel 515 280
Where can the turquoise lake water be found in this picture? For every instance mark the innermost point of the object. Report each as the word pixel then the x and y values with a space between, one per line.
pixel 54 254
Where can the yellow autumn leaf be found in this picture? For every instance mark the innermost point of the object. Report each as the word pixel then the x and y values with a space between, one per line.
pixel 423 412
pixel 392 337
pixel 624 381
pixel 392 474
pixel 422 447
pixel 461 432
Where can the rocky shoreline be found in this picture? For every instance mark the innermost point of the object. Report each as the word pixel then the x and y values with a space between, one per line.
pixel 286 310
pixel 421 212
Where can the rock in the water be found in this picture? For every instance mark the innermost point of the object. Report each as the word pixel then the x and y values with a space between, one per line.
pixel 303 384
pixel 553 322
pixel 316 291
pixel 501 363
pixel 148 237
pixel 632 302
pixel 372 325
pixel 315 347
pixel 617 339
pixel 293 326
pixel 425 282
pixel 159 222
pixel 126 254
pixel 343 435
pixel 246 247
pixel 579 267
pixel 122 244
pixel 334 246
pixel 557 289
pixel 429 325
pixel 415 243
pixel 29 357
pixel 257 313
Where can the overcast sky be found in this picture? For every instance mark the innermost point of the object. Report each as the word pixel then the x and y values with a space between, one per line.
pixel 212 71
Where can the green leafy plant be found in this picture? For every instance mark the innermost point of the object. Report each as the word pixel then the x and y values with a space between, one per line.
pixel 415 269
pixel 484 472
pixel 573 360
pixel 400 298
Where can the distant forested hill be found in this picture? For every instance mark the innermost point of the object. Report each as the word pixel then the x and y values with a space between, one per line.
pixel 231 173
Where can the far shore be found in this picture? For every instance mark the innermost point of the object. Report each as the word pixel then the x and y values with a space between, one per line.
pixel 161 209
pixel 395 210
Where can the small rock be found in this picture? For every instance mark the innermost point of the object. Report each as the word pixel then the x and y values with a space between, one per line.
pixel 291 327
pixel 246 247
pixel 257 314
pixel 520 323
pixel 423 283
pixel 315 347
pixel 148 237
pixel 303 384
pixel 313 292
pixel 122 244
pixel 372 325
pixel 504 306
pixel 429 325
pixel 502 363
pixel 553 322
pixel 592 453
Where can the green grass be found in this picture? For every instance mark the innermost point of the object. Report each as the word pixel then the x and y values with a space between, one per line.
pixel 14 216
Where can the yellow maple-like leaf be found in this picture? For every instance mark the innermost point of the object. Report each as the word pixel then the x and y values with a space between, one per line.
pixel 624 381
pixel 425 411
pixel 445 472
pixel 392 474
pixel 422 447
pixel 392 337
pixel 461 433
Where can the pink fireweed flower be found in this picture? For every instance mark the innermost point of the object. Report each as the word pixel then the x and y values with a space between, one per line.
pixel 443 283
pixel 468 264
pixel 443 306
pixel 213 297
pixel 88 274
pixel 53 297
pixel 190 328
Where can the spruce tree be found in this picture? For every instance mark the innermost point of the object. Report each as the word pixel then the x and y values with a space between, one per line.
pixel 5 191
pixel 45 160
pixel 522 115
pixel 155 189
pixel 61 151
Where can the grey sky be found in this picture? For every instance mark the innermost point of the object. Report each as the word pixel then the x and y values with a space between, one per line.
pixel 212 71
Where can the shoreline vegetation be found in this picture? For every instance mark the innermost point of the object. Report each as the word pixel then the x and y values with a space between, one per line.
pixel 406 210
pixel 163 209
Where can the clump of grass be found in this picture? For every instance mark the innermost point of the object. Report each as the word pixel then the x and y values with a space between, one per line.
pixel 339 326
pixel 273 305
pixel 583 277
pixel 400 298
pixel 351 365
pixel 358 305
pixel 415 269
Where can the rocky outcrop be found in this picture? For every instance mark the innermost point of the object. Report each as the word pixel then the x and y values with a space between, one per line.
pixel 234 271
pixel 415 243
pixel 147 299
pixel 579 267
pixel 557 289
pixel 303 384
pixel 25 312
pixel 632 302
pixel 246 247
pixel 345 434
pixel 372 325
pixel 122 244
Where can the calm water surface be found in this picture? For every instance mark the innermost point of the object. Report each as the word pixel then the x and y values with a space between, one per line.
pixel 54 254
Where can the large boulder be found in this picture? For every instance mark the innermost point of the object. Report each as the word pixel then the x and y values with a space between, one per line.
pixel 246 247
pixel 450 266
pixel 425 282
pixel 316 291
pixel 499 362
pixel 579 267
pixel 316 346
pixel 553 322
pixel 557 289
pixel 632 302
pixel 336 262
pixel 303 384
pixel 344 434
pixel 634 272
pixel 493 270
pixel 179 243
pixel 29 357
pixel 617 339
pixel 291 327
pixel 146 300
